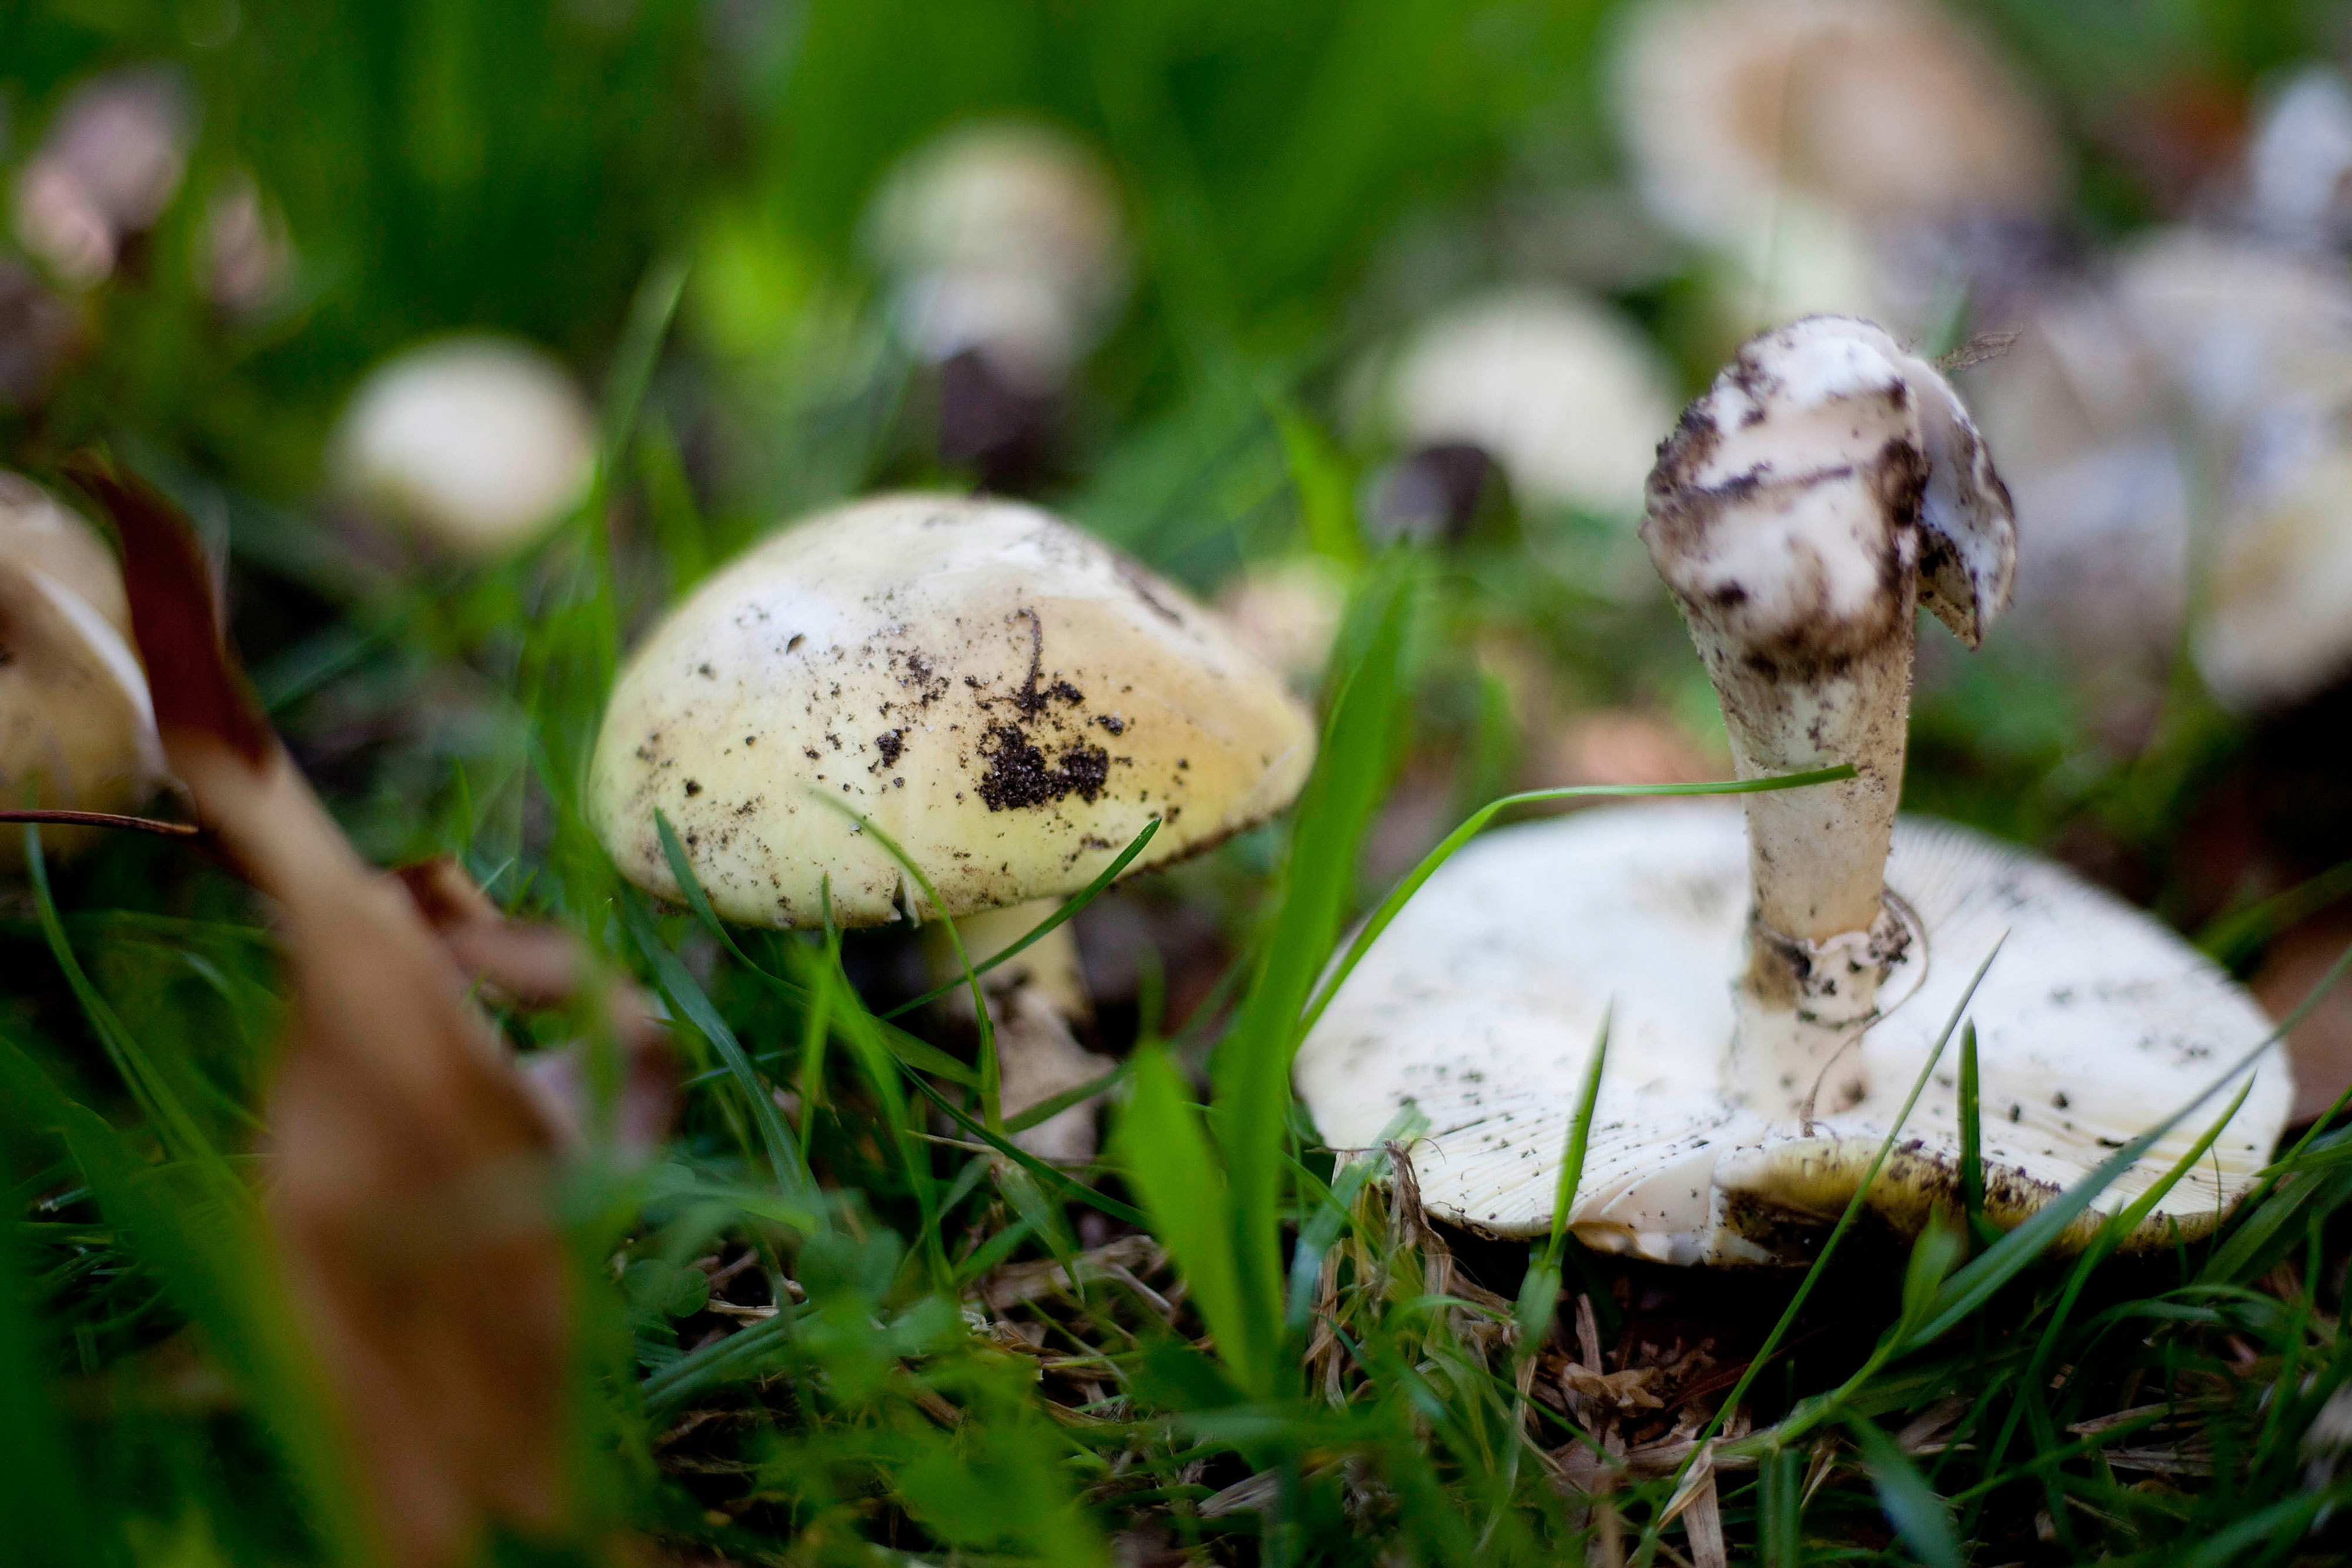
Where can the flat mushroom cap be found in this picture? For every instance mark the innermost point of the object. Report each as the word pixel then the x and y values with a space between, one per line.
pixel 481 443
pixel 1482 1002
pixel 74 709
pixel 1008 699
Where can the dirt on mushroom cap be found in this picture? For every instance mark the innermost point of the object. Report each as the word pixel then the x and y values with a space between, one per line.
pixel 1008 699
pixel 1481 1003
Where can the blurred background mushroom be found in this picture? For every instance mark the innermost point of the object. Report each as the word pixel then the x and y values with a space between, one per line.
pixel 1557 392
pixel 479 444
pixel 1832 155
pixel 1006 257
pixel 109 164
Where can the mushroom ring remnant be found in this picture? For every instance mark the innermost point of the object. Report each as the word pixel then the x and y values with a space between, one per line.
pixel 1482 1002
pixel 1008 699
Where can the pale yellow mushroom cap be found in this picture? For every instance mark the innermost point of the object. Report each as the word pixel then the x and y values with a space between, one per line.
pixel 1008 699
pixel 76 729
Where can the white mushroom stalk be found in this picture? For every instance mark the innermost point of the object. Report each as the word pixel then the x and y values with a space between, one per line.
pixel 77 726
pixel 1778 974
pixel 1008 700
pixel 1801 513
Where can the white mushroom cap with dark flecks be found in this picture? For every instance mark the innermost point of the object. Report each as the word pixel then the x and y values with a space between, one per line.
pixel 1563 393
pixel 77 726
pixel 1010 700
pixel 481 443
pixel 1482 1002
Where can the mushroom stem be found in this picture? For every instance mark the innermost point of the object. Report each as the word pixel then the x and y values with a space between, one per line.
pixel 1826 486
pixel 1033 999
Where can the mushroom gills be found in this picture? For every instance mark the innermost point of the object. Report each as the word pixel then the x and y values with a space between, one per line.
pixel 1481 1002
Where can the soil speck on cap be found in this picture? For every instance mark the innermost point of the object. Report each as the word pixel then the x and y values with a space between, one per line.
pixel 692 788
pixel 887 746
pixel 1019 775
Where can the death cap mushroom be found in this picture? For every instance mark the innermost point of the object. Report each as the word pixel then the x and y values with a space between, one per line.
pixel 1775 991
pixel 1008 699
pixel 77 728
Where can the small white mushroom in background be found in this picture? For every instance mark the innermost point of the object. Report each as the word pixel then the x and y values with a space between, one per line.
pixel 1008 700
pixel 2255 344
pixel 1286 613
pixel 247 256
pixel 1795 136
pixel 2299 162
pixel 110 163
pixel 1006 256
pixel 2089 447
pixel 1775 991
pixel 76 729
pixel 1561 392
pixel 479 444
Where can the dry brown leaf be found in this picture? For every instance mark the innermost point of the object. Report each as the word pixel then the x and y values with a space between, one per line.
pixel 544 966
pixel 410 1169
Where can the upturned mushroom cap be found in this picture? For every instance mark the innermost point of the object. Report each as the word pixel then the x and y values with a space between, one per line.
pixel 1008 699
pixel 481 443
pixel 1482 1002
pixel 1003 238
pixel 76 729
pixel 1565 395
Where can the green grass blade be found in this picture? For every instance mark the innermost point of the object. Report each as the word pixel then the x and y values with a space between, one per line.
pixel 1027 1161
pixel 1170 1165
pixel 1837 1234
pixel 1918 1514
pixel 1976 1282
pixel 1046 927
pixel 783 1152
pixel 1251 1070
pixel 1580 1135
pixel 1972 1182
pixel 991 1103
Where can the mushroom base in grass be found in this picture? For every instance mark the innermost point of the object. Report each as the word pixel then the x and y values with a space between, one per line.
pixel 1482 1001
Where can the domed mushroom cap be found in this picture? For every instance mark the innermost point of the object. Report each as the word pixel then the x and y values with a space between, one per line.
pixel 1008 699
pixel 1482 1002
pixel 75 720
pixel 1564 394
pixel 1003 238
pixel 1875 109
pixel 480 442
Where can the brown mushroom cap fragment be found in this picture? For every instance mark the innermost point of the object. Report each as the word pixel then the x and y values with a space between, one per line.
pixel 76 729
pixel 1482 1002
pixel 1008 699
